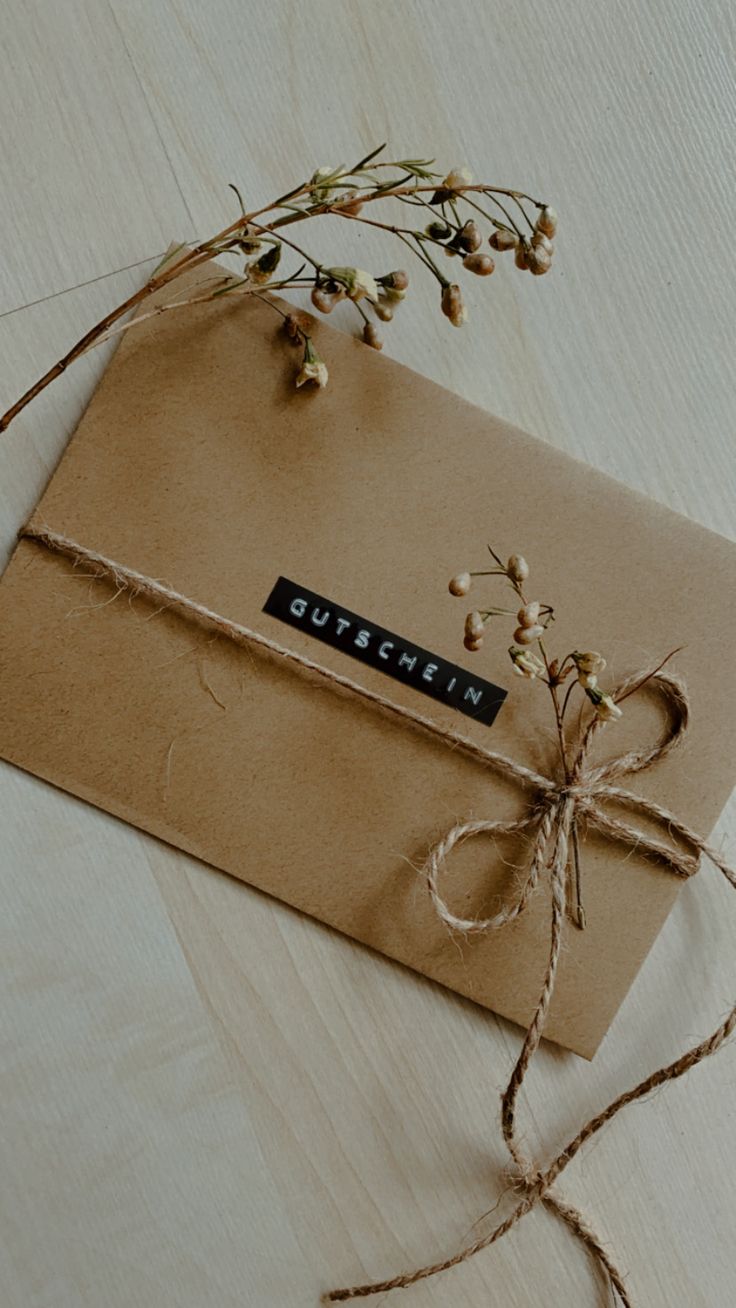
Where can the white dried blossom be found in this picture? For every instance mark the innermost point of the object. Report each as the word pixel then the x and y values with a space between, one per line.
pixel 526 663
pixel 605 706
pixel 588 661
pixel 313 368
pixel 313 372
pixel 358 283
pixel 456 178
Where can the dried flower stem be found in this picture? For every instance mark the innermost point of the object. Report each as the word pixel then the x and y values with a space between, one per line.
pixel 339 192
pixel 533 618
pixel 577 911
pixel 234 292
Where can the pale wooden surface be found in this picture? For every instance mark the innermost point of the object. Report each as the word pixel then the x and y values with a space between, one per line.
pixel 205 1098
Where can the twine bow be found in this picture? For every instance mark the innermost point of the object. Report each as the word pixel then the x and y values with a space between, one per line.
pixel 557 810
pixel 561 807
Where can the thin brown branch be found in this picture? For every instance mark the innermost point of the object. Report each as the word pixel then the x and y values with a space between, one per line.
pixel 194 258
pixel 236 292
pixel 228 238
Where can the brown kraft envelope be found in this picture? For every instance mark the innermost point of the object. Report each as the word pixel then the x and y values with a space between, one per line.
pixel 198 463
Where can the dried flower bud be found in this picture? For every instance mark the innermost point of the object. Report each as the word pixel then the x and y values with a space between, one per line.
pixel 526 663
pixel 269 261
pixel 393 295
pixel 313 368
pixel 471 644
pixel 438 230
pixel 539 260
pixel 588 661
pixel 517 568
pixel 371 337
pixel 503 239
pixel 527 635
pixel 474 626
pixel 295 326
pixel 460 583
pixel 261 271
pixel 398 280
pixel 547 221
pixel 588 680
pixel 323 300
pixel 480 264
pixel 383 309
pixel 320 190
pixel 357 282
pixel 540 241
pixel 469 237
pixel 452 305
pixel 350 203
pixel 256 275
pixel 521 257
pixel 249 242
pixel 529 615
pixel 605 706
pixel 455 179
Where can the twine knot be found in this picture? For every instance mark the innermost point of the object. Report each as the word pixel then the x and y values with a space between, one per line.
pixel 569 790
pixel 522 1176
pixel 559 807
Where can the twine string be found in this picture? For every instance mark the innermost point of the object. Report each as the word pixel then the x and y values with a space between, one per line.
pixel 555 810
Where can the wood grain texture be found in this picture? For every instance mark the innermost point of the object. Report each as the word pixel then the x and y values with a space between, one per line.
pixel 30 341
pixel 85 184
pixel 207 1098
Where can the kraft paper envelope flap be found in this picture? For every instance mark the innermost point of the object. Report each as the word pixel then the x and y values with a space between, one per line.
pixel 197 462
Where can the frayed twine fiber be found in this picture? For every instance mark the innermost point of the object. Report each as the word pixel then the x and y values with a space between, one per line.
pixel 554 811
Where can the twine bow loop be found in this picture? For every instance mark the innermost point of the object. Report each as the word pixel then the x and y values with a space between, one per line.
pixel 560 806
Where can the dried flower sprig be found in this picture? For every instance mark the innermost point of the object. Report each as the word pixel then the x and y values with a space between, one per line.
pixel 453 212
pixel 533 619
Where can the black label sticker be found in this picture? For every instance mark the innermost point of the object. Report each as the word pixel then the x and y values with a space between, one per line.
pixel 392 654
